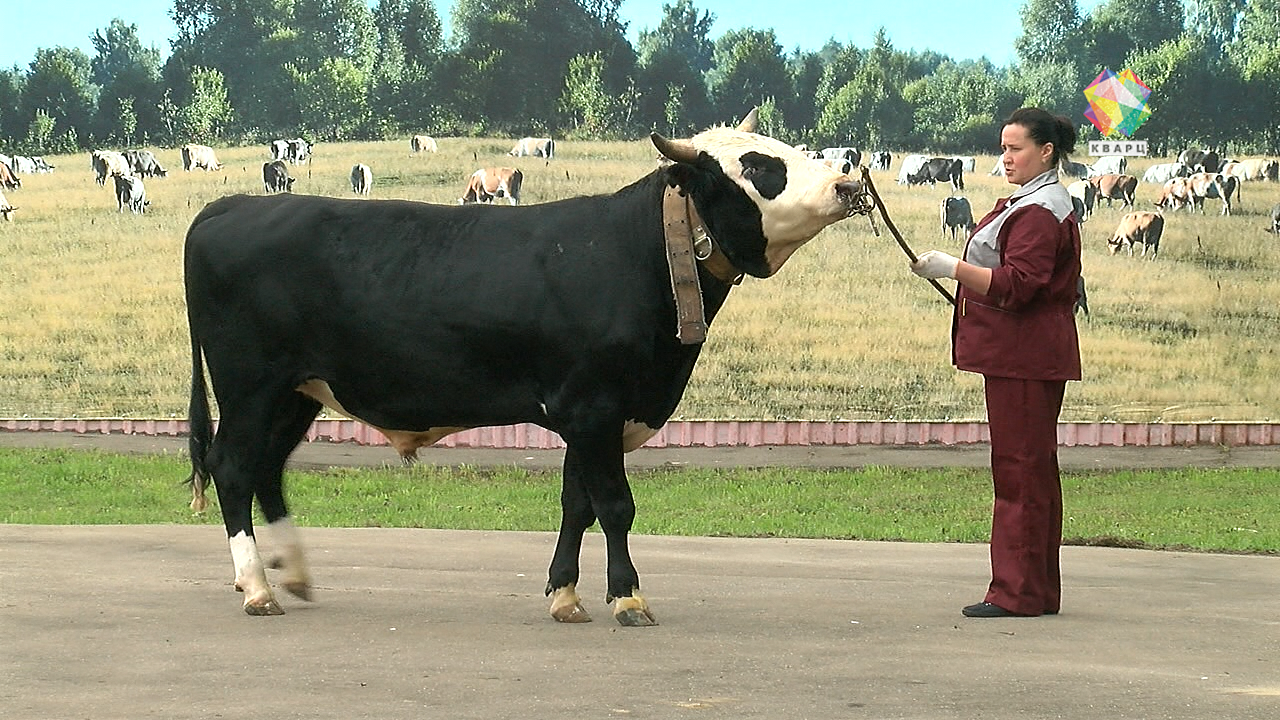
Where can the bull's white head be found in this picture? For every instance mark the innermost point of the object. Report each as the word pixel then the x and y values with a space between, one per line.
pixel 762 198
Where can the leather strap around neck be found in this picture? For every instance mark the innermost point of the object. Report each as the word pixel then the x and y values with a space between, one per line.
pixel 689 243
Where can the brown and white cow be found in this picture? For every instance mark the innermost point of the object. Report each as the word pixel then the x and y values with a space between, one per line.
pixel 486 184
pixel 106 163
pixel 199 156
pixel 1213 185
pixel 423 143
pixel 536 147
pixel 1115 187
pixel 1138 227
pixel 6 209
pixel 1175 194
pixel 8 180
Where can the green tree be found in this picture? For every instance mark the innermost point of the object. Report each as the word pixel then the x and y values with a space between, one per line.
pixel 806 70
pixel 12 123
pixel 1257 53
pixel 592 110
pixel 1117 28
pixel 129 74
pixel 1050 33
pixel 749 69
pixel 331 99
pixel 673 59
pixel 58 84
pixel 1188 91
pixel 955 107
pixel 869 111
pixel 1259 28
pixel 1056 87
pixel 1215 21
pixel 206 113
pixel 332 29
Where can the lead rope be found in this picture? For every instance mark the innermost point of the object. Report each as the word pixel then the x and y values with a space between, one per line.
pixel 884 213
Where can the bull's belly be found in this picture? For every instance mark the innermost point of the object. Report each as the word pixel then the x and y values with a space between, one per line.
pixel 407 442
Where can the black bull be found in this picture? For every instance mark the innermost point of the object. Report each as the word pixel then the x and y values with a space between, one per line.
pixel 422 320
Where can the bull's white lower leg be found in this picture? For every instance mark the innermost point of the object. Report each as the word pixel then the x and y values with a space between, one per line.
pixel 295 576
pixel 251 577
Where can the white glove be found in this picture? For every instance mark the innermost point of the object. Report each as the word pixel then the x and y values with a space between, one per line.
pixel 935 264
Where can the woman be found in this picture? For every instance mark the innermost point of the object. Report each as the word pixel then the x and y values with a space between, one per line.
pixel 1014 324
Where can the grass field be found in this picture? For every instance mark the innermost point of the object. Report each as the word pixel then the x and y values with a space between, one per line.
pixel 1228 510
pixel 93 323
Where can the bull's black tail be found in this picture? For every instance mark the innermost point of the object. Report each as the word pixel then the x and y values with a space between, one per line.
pixel 201 434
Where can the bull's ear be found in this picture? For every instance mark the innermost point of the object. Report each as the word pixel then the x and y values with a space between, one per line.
pixel 749 122
pixel 674 150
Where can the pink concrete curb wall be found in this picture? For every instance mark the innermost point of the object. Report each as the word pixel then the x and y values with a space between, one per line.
pixel 734 433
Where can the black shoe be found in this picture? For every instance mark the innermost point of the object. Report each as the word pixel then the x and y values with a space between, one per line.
pixel 986 610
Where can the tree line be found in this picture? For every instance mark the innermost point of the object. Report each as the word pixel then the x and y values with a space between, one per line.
pixel 245 71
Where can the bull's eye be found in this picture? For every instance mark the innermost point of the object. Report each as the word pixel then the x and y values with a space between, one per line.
pixel 767 173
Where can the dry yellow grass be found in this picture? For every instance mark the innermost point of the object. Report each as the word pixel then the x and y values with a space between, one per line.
pixel 93 321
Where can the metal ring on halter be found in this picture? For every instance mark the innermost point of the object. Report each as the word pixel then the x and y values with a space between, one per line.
pixel 702 247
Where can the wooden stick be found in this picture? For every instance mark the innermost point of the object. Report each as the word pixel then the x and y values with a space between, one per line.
pixel 884 213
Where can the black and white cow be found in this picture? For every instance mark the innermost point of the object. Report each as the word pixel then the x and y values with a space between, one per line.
pixel 275 177
pixel 144 163
pixel 477 316
pixel 1275 219
pixel 361 179
pixel 880 160
pixel 956 214
pixel 279 149
pixel 939 170
pixel 299 151
pixel 853 155
pixel 130 193
pixel 534 147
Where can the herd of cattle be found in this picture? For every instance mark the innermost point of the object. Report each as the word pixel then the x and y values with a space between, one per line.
pixel 1196 176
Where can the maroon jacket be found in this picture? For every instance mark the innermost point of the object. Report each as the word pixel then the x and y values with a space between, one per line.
pixel 1024 327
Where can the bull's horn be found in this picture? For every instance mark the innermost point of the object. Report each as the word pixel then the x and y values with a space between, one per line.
pixel 749 122
pixel 675 150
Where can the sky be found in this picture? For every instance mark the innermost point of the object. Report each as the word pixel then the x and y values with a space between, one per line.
pixel 982 28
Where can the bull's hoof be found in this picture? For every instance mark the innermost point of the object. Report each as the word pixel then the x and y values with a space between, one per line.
pixel 633 612
pixel 566 606
pixel 271 607
pixel 299 589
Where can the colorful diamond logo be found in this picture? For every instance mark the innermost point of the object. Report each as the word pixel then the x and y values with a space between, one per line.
pixel 1117 103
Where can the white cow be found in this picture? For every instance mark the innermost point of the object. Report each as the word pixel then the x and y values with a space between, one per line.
pixel 911 165
pixel 537 147
pixel 1109 165
pixel 1164 172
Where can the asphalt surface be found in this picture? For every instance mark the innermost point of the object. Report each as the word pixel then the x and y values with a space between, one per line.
pixel 126 622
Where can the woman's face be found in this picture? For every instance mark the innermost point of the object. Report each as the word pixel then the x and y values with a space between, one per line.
pixel 1023 159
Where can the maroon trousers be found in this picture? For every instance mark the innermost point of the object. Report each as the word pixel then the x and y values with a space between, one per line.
pixel 1026 527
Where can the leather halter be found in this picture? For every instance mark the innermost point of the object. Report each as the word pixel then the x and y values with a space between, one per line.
pixel 689 243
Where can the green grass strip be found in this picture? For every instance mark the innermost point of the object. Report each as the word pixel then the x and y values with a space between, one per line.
pixel 1218 510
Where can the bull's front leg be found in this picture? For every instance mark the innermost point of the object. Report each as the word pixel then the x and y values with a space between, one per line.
pixel 595 464
pixel 576 516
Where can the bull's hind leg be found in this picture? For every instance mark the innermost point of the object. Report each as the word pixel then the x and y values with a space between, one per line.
pixel 247 458
pixel 293 418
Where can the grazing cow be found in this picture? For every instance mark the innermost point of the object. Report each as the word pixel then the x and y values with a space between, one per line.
pixel 6 209
pixel 1082 297
pixel 1109 165
pixel 299 151
pixel 1176 193
pixel 275 177
pixel 1275 219
pixel 1213 185
pixel 880 159
pixel 486 184
pixel 535 147
pixel 479 317
pixel 361 179
pixel 22 165
pixel 1066 168
pixel 1162 173
pixel 1087 194
pixel 956 214
pixel 911 164
pixel 1191 157
pixel 423 143
pixel 199 156
pixel 1209 162
pixel 8 180
pixel 840 165
pixel 1115 187
pixel 279 149
pixel 106 163
pixel 1138 227
pixel 853 155
pixel 939 170
pixel 130 193
pixel 144 163
pixel 968 163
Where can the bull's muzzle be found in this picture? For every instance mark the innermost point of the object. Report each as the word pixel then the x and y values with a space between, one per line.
pixel 854 197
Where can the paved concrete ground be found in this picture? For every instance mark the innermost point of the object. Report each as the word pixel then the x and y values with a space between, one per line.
pixel 127 622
